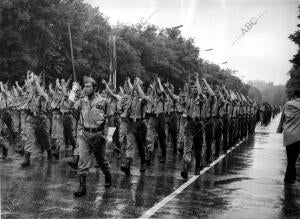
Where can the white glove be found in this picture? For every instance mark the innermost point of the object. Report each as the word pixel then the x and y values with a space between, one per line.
pixel 75 87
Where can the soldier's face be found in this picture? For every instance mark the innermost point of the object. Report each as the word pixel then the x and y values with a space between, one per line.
pixel 89 89
pixel 194 90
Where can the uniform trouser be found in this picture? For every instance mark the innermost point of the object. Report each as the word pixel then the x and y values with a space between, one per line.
pixel 156 128
pixel 226 123
pixel 181 132
pixel 6 117
pixel 57 134
pixel 292 152
pixel 136 138
pixel 193 140
pixel 253 124
pixel 16 121
pixel 116 139
pixel 218 135
pixel 209 136
pixel 2 145
pixel 68 130
pixel 232 131
pixel 91 143
pixel 173 130
pixel 23 125
pixel 249 124
pixel 244 126
pixel 239 127
pixel 122 135
pixel 37 133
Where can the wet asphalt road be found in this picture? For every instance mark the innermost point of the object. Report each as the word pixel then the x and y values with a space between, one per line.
pixel 247 183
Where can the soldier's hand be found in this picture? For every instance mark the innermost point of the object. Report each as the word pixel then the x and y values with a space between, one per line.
pixel 75 86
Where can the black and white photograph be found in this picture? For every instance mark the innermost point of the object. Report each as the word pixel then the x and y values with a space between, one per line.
pixel 149 109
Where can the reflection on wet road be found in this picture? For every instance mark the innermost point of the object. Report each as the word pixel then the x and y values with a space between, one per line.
pixel 246 183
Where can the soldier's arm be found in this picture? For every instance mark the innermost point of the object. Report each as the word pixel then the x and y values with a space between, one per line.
pixel 109 91
pixel 41 92
pixel 140 91
pixel 109 114
pixel 173 96
pixel 209 90
pixel 161 88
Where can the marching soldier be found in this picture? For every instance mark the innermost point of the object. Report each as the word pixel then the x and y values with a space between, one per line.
pixel 136 129
pixel 37 127
pixel 182 119
pixel 193 135
pixel 94 110
pixel 209 121
pixel 122 109
pixel 226 119
pixel 218 116
pixel 173 101
pixel 156 122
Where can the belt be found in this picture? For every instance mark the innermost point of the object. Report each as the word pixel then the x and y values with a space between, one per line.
pixel 135 119
pixel 66 113
pixel 193 119
pixel 99 129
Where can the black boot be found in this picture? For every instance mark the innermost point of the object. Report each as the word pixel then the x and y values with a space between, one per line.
pixel 142 168
pixel 56 154
pixel 73 162
pixel 4 152
pixel 185 170
pixel 107 180
pixel 149 160
pixel 198 168
pixel 26 161
pixel 82 186
pixel 126 167
pixel 162 159
pixel 49 155
pixel 20 151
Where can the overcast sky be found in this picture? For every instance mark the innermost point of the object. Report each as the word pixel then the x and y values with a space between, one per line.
pixel 263 52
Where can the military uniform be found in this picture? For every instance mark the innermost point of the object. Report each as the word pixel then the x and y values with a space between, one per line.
pixel 193 134
pixel 37 127
pixel 136 132
pixel 209 127
pixel 218 116
pixel 226 125
pixel 91 136
pixel 156 124
pixel 182 121
pixel 173 122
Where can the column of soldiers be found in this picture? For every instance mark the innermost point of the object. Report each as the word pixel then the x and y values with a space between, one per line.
pixel 201 122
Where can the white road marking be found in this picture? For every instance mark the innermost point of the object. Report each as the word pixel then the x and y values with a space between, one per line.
pixel 168 198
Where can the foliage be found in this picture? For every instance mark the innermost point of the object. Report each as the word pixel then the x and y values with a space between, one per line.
pixel 294 81
pixel 34 36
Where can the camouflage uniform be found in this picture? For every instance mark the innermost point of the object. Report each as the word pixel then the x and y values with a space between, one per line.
pixel 37 127
pixel 218 115
pixel 209 127
pixel 193 134
pixel 136 132
pixel 156 125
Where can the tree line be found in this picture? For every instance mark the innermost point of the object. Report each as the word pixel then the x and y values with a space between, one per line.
pixel 34 36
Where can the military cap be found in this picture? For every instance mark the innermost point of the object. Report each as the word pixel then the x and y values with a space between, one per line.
pixel 89 80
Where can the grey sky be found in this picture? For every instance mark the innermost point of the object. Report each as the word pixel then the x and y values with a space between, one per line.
pixel 261 53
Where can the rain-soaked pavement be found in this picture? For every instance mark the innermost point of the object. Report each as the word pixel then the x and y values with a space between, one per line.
pixel 247 183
